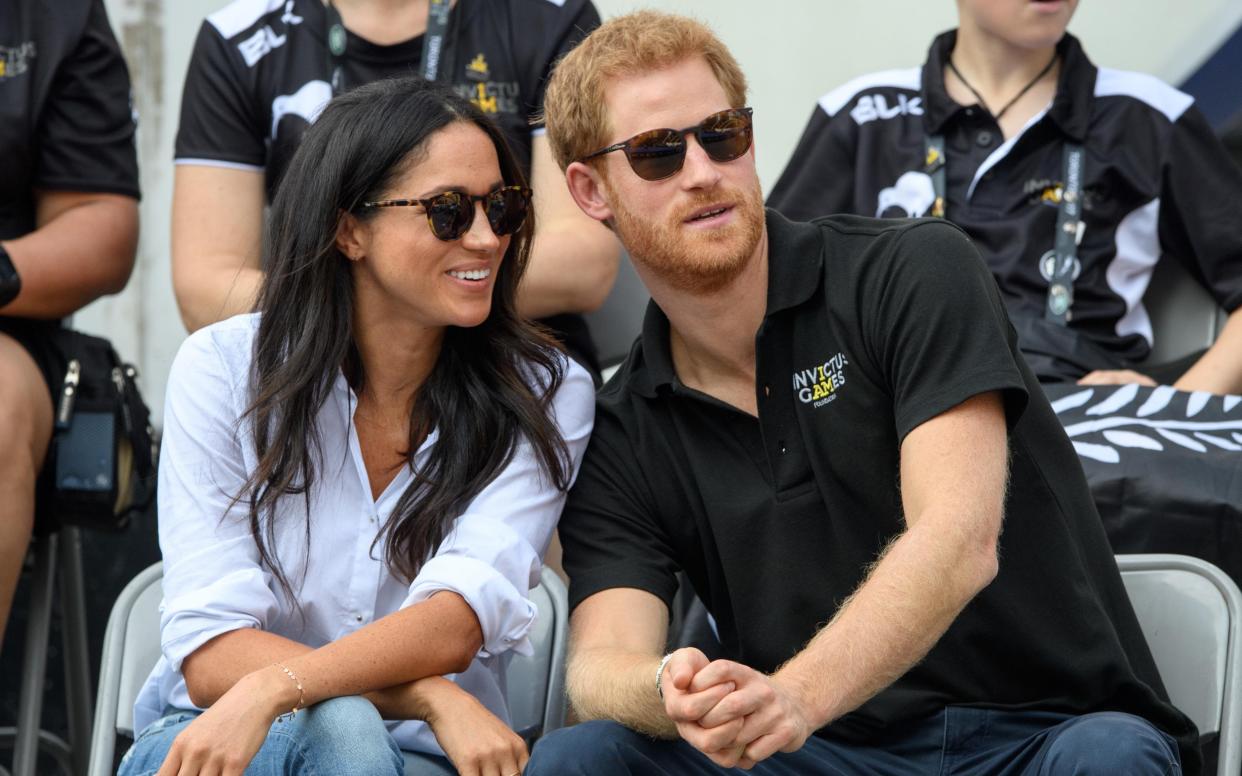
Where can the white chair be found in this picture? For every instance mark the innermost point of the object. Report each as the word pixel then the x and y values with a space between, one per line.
pixel 1184 316
pixel 131 648
pixel 1191 614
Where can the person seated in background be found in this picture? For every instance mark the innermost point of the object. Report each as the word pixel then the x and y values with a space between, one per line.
pixel 358 482
pixel 261 71
pixel 68 226
pixel 814 425
pixel 1073 181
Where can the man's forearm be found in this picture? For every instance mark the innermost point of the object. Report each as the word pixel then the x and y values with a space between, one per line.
pixel 1220 368
pixel 213 292
pixel 911 597
pixel 570 271
pixel 611 684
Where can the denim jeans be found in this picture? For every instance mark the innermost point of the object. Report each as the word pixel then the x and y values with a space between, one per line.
pixel 338 736
pixel 955 742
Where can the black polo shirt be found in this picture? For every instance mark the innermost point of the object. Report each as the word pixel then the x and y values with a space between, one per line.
pixel 66 121
pixel 1157 184
pixel 872 327
pixel 259 75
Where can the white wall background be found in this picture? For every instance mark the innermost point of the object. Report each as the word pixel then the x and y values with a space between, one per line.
pixel 792 51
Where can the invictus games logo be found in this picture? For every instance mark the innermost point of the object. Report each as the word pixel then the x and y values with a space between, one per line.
pixel 15 60
pixel 820 384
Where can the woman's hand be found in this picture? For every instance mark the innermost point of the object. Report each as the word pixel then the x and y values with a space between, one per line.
pixel 226 737
pixel 476 741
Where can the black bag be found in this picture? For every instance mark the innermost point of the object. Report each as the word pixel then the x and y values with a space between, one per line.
pixel 100 467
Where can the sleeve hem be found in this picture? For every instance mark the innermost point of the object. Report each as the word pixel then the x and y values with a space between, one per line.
pixel 505 614
pixel 977 383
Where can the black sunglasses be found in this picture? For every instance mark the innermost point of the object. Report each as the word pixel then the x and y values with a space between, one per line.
pixel 450 214
pixel 659 153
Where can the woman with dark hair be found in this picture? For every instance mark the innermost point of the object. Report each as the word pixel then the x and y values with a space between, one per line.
pixel 358 482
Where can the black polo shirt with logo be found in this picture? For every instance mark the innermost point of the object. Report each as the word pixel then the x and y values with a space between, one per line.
pixel 66 120
pixel 872 328
pixel 259 75
pixel 1157 184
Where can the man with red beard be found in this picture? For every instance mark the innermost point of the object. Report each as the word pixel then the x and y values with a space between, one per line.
pixel 814 425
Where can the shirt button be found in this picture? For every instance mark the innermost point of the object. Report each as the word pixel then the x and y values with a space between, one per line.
pixel 970 112
pixel 782 447
pixel 767 390
pixel 984 138
pixel 357 618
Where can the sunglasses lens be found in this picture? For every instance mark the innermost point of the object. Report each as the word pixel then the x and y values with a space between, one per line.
pixel 726 135
pixel 450 215
pixel 656 154
pixel 506 209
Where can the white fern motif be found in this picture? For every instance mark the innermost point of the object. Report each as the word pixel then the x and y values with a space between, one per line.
pixel 1110 429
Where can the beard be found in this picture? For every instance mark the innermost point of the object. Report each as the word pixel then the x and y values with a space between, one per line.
pixel 691 261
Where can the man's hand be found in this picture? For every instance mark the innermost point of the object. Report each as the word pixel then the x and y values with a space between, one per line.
pixel 761 716
pixel 1115 377
pixel 686 704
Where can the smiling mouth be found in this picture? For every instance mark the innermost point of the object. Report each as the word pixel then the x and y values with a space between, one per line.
pixel 708 214
pixel 472 274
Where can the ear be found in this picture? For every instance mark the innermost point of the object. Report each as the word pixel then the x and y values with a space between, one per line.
pixel 587 188
pixel 352 236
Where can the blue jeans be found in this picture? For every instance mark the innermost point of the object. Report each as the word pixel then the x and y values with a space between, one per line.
pixel 954 742
pixel 338 736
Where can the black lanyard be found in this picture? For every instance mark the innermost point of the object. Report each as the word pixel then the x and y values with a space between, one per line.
pixel 1069 222
pixel 433 42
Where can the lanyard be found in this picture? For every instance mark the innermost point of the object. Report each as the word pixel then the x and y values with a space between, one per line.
pixel 1064 259
pixel 433 42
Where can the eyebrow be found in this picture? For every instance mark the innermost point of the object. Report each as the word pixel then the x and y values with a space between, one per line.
pixel 434 190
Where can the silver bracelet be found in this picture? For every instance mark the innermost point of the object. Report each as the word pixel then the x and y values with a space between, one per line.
pixel 660 675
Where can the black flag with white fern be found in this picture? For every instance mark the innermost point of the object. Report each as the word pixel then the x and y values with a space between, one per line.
pixel 1164 466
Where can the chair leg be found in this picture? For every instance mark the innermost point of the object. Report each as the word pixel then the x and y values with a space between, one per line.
pixel 78 697
pixel 34 662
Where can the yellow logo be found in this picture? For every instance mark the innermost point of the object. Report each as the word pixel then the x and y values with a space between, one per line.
pixel 820 383
pixel 477 66
pixel 1051 195
pixel 486 103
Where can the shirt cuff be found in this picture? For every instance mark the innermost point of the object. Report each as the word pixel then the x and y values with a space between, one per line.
pixel 505 613
pixel 235 601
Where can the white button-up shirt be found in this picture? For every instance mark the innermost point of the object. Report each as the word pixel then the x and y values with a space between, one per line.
pixel 213 582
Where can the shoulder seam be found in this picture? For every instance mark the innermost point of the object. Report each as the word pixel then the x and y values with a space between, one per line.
pixel 1147 89
pixel 240 15
pixel 910 78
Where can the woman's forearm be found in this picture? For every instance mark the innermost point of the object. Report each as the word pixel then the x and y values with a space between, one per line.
pixel 434 637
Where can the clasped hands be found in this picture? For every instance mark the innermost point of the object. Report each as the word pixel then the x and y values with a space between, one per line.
pixel 735 715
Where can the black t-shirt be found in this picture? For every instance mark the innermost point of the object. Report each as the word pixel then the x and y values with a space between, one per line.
pixel 872 328
pixel 1157 185
pixel 66 122
pixel 259 75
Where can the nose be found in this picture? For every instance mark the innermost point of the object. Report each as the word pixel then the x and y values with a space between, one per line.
pixel 480 237
pixel 699 171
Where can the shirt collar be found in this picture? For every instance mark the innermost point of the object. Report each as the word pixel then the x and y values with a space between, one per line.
pixel 795 263
pixel 1071 108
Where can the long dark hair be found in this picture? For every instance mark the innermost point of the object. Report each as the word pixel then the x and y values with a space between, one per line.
pixel 479 392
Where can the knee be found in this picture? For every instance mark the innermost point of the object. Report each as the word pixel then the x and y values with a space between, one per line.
pixel 345 735
pixel 1108 743
pixel 597 747
pixel 25 412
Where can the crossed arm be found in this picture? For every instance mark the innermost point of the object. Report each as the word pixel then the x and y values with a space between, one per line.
pixel 953 473
pixel 395 662
pixel 217 229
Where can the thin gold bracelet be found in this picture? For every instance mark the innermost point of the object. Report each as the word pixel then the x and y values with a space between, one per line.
pixel 298 682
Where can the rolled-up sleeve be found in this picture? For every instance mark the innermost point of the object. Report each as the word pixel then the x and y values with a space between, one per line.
pixel 213 581
pixel 492 556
